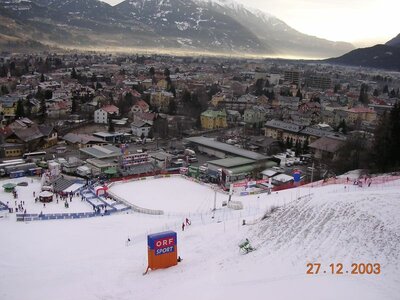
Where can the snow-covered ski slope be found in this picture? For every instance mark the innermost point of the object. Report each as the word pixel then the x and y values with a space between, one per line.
pixel 172 195
pixel 89 259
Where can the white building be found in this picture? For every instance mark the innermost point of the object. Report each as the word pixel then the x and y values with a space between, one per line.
pixel 102 115
pixel 139 127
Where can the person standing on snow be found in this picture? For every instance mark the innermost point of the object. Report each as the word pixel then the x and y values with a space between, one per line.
pixel 183 226
pixel 188 222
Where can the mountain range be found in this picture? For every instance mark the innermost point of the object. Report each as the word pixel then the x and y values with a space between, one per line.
pixel 394 41
pixel 219 26
pixel 385 56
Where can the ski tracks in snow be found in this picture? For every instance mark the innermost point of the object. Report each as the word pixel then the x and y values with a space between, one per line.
pixel 335 228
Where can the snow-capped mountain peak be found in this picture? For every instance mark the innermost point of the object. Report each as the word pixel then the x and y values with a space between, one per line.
pixel 225 26
pixel 238 7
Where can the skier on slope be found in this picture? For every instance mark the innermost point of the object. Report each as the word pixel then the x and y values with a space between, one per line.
pixel 183 226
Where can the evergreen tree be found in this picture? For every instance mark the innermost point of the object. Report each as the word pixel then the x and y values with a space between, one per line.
pixel 125 103
pixel 387 141
pixel 111 98
pixel 385 89
pixel 28 109
pixel 19 111
pixel 315 99
pixel 12 67
pixel 167 73
pixel 287 143
pixel 363 98
pixel 98 86
pixel 342 126
pixel 58 62
pixel 305 146
pixel 173 91
pixel 395 134
pixel 259 87
pixel 4 90
pixel 214 89
pixel 198 122
pixel 73 74
pixel 39 94
pixel 299 94
pixel 111 128
pixel 42 110
pixel 172 107
pixel 269 95
pixel 352 155
pixel 186 96
pixel 42 78
pixel 298 148
pixel 74 106
pixel 48 94
pixel 146 98
pixel 93 78
pixel 160 127
pixel 152 72
pixel 129 99
pixel 3 71
pixel 150 135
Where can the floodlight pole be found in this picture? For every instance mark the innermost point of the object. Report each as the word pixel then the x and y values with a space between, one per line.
pixel 215 204
pixel 215 200
pixel 230 192
pixel 312 172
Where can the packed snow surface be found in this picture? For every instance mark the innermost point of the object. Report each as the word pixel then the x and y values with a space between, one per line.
pixel 169 194
pixel 90 259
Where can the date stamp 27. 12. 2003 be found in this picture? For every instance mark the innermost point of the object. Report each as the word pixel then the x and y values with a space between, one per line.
pixel 340 269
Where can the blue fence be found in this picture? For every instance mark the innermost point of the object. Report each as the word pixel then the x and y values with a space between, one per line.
pixel 64 216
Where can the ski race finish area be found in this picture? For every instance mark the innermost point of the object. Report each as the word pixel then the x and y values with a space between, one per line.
pixel 280 245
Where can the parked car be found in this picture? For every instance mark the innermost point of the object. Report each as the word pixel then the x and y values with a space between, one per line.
pixel 193 159
pixel 190 152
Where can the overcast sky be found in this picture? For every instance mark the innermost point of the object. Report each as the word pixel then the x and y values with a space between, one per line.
pixel 361 22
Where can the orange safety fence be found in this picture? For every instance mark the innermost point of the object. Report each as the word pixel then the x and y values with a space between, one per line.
pixel 329 181
pixel 352 181
pixel 289 185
